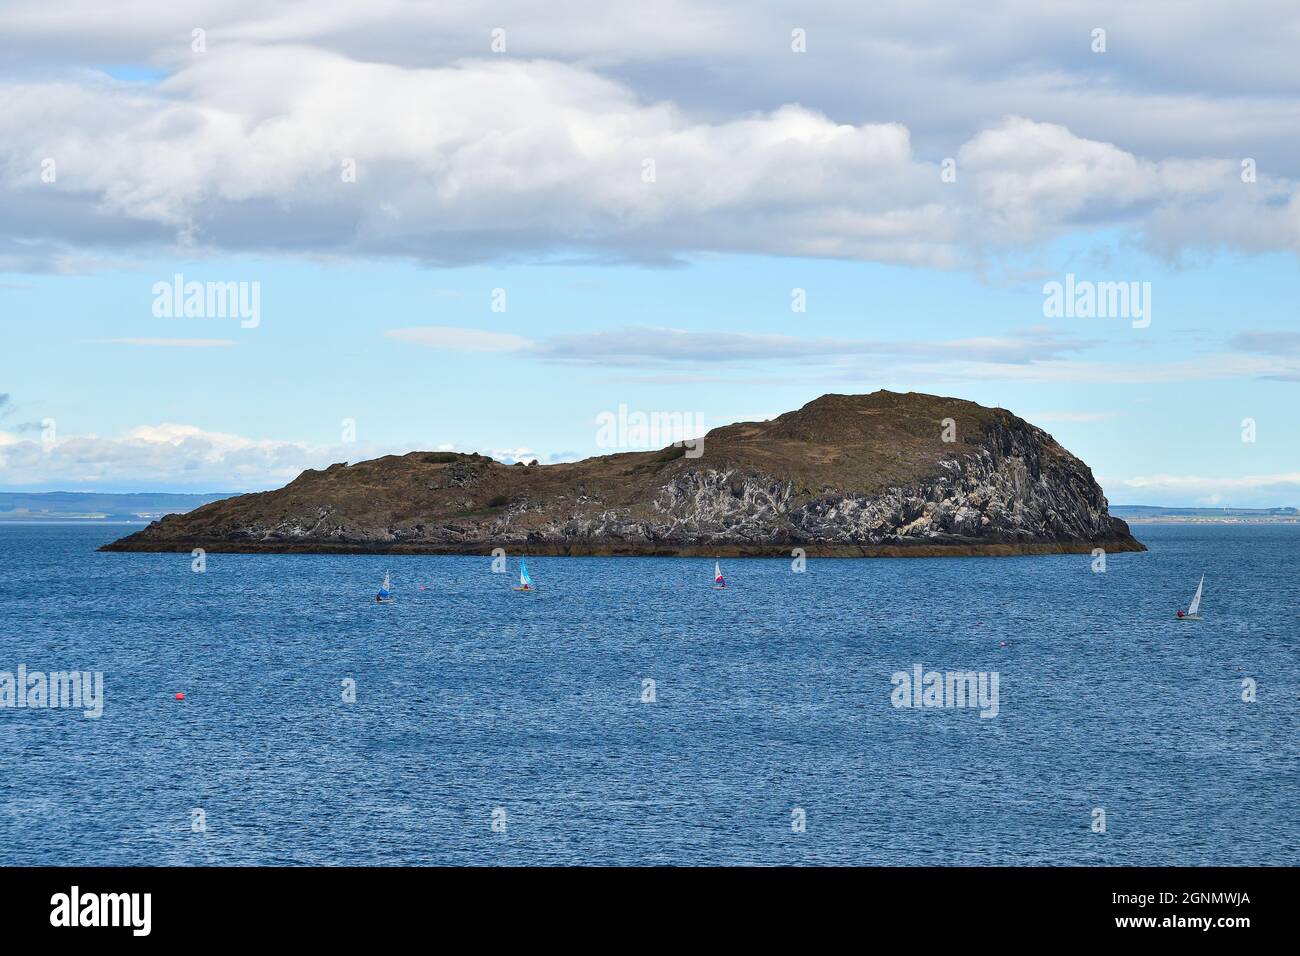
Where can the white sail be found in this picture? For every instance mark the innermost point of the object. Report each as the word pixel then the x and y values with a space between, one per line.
pixel 1196 599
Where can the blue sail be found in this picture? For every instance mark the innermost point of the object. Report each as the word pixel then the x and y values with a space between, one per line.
pixel 524 580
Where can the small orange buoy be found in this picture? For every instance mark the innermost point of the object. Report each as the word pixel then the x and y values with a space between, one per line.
pixel 180 696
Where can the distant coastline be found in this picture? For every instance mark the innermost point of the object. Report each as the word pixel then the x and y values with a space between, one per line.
pixel 1150 514
pixel 79 507
pixel 62 507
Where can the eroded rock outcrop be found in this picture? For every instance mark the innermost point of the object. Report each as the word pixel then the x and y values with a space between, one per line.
pixel 844 475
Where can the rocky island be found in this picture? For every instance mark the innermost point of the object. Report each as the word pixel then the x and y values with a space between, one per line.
pixel 885 474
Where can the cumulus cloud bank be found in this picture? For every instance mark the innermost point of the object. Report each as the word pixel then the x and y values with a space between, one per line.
pixel 1035 354
pixel 189 458
pixel 1246 491
pixel 297 149
pixel 180 456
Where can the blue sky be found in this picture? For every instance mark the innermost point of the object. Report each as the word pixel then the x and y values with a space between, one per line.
pixel 672 294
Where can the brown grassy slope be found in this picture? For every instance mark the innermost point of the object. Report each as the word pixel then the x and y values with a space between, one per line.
pixel 851 444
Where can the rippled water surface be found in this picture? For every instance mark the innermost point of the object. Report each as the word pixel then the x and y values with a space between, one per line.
pixel 771 695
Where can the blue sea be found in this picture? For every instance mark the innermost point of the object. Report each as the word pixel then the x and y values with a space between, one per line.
pixel 494 727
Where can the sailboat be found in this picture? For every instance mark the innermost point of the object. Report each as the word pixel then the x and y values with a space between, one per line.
pixel 384 589
pixel 717 576
pixel 1195 606
pixel 525 582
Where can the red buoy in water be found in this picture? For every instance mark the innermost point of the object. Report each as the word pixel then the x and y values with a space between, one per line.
pixel 180 696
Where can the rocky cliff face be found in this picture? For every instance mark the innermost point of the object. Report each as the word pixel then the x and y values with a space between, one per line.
pixel 879 474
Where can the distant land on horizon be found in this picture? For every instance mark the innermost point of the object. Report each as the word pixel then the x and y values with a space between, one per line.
pixel 1150 514
pixel 96 506
pixel 147 506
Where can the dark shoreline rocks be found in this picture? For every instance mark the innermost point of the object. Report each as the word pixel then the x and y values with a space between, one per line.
pixel 954 549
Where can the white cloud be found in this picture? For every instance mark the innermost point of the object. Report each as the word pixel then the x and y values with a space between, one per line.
pixel 460 340
pixel 641 346
pixel 167 455
pixel 1036 354
pixel 1267 342
pixel 1069 417
pixel 943 61
pixel 1208 368
pixel 1198 484
pixel 171 455
pixel 242 149
pixel 1247 491
pixel 173 343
